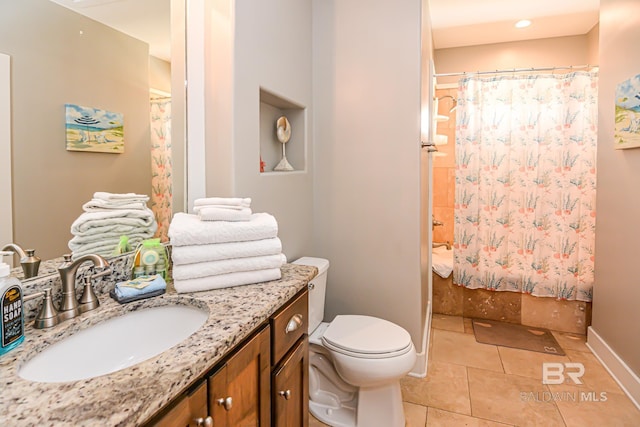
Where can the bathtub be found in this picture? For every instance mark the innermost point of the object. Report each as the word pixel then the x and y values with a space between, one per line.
pixel 442 261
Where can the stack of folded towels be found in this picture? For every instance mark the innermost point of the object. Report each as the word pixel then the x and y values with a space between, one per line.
pixel 224 244
pixel 106 218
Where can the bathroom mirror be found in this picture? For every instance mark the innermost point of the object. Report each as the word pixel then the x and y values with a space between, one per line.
pixel 57 57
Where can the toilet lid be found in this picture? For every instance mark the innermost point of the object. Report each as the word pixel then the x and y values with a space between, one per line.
pixel 366 335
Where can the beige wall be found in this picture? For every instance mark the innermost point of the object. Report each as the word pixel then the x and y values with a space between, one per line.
pixel 53 64
pixel 366 77
pixel 248 46
pixel 558 51
pixel 616 317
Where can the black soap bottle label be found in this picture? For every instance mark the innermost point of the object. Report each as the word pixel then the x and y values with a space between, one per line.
pixel 11 307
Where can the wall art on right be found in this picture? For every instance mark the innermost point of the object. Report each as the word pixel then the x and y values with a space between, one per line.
pixel 627 128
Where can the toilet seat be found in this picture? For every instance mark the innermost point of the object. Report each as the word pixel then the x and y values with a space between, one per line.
pixel 366 337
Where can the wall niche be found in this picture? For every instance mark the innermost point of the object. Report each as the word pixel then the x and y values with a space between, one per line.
pixel 272 107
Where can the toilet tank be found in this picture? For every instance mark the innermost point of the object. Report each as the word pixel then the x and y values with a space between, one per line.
pixel 317 289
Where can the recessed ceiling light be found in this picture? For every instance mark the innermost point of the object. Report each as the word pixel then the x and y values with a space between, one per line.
pixel 523 23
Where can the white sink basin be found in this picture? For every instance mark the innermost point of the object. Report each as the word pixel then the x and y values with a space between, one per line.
pixel 114 344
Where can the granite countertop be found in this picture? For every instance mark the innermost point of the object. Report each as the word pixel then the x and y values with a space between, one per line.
pixel 132 395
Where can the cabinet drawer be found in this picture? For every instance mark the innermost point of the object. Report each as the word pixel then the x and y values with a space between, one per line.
pixel 288 325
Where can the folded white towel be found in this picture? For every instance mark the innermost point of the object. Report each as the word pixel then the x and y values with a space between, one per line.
pixel 134 217
pixel 226 280
pixel 181 255
pixel 78 242
pixel 197 209
pixel 225 266
pixel 104 247
pixel 227 201
pixel 101 204
pixel 187 229
pixel 206 213
pixel 114 197
pixel 442 262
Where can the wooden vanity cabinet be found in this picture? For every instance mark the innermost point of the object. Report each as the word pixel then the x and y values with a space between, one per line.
pixel 290 359
pixel 239 390
pixel 264 382
pixel 188 410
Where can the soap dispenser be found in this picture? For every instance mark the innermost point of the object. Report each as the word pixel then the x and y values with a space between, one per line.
pixel 12 320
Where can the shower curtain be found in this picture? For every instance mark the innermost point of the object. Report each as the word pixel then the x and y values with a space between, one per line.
pixel 161 182
pixel 526 184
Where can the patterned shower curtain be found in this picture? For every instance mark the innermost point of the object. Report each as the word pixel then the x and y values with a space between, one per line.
pixel 526 184
pixel 161 170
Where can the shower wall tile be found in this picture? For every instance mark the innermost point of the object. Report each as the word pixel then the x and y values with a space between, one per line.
pixel 444 232
pixel 440 187
pixel 447 297
pixel 483 304
pixel 558 315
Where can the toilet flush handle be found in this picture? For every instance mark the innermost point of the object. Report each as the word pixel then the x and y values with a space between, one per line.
pixel 294 323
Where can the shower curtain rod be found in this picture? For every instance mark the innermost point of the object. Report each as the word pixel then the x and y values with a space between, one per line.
pixel 516 70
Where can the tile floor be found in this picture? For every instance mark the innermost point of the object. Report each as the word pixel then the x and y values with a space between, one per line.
pixel 480 385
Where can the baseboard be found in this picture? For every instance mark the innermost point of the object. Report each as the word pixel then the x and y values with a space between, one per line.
pixel 420 367
pixel 621 373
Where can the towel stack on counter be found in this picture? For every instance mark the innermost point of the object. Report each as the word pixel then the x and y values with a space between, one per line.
pixel 224 244
pixel 106 218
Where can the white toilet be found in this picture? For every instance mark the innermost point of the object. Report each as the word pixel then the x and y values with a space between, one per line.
pixel 355 363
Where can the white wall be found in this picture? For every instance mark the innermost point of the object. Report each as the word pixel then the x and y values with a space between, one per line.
pixel 616 298
pixel 366 97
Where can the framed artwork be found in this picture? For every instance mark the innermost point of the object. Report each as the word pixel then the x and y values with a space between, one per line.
pixel 92 129
pixel 627 121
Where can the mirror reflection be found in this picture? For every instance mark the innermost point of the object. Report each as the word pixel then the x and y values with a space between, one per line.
pixel 58 57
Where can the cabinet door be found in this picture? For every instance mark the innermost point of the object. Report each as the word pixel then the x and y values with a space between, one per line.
pixel 239 391
pixel 290 388
pixel 188 411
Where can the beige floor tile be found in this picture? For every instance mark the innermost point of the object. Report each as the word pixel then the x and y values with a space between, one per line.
pixel 445 387
pixel 415 415
pixel 610 409
pixel 468 325
pixel 570 341
pixel 462 349
pixel 508 399
pixel 440 418
pixel 313 422
pixel 527 363
pixel 447 323
pixel 595 377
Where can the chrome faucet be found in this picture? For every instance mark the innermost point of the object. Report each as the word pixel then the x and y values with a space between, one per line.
pixel 69 307
pixel 438 244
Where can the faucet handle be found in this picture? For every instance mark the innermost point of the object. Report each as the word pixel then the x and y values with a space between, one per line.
pixel 89 300
pixel 48 315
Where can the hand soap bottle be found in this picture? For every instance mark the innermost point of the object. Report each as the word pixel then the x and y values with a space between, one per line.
pixel 12 320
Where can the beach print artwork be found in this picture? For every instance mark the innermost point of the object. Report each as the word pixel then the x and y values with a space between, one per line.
pixel 92 129
pixel 627 128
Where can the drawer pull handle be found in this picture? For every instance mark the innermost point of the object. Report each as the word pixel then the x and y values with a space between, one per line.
pixel 286 394
pixel 204 422
pixel 311 286
pixel 294 323
pixel 227 403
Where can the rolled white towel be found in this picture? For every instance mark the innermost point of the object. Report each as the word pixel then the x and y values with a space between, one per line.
pixel 226 280
pixel 226 266
pixel 206 213
pixel 225 201
pixel 187 229
pixel 216 251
